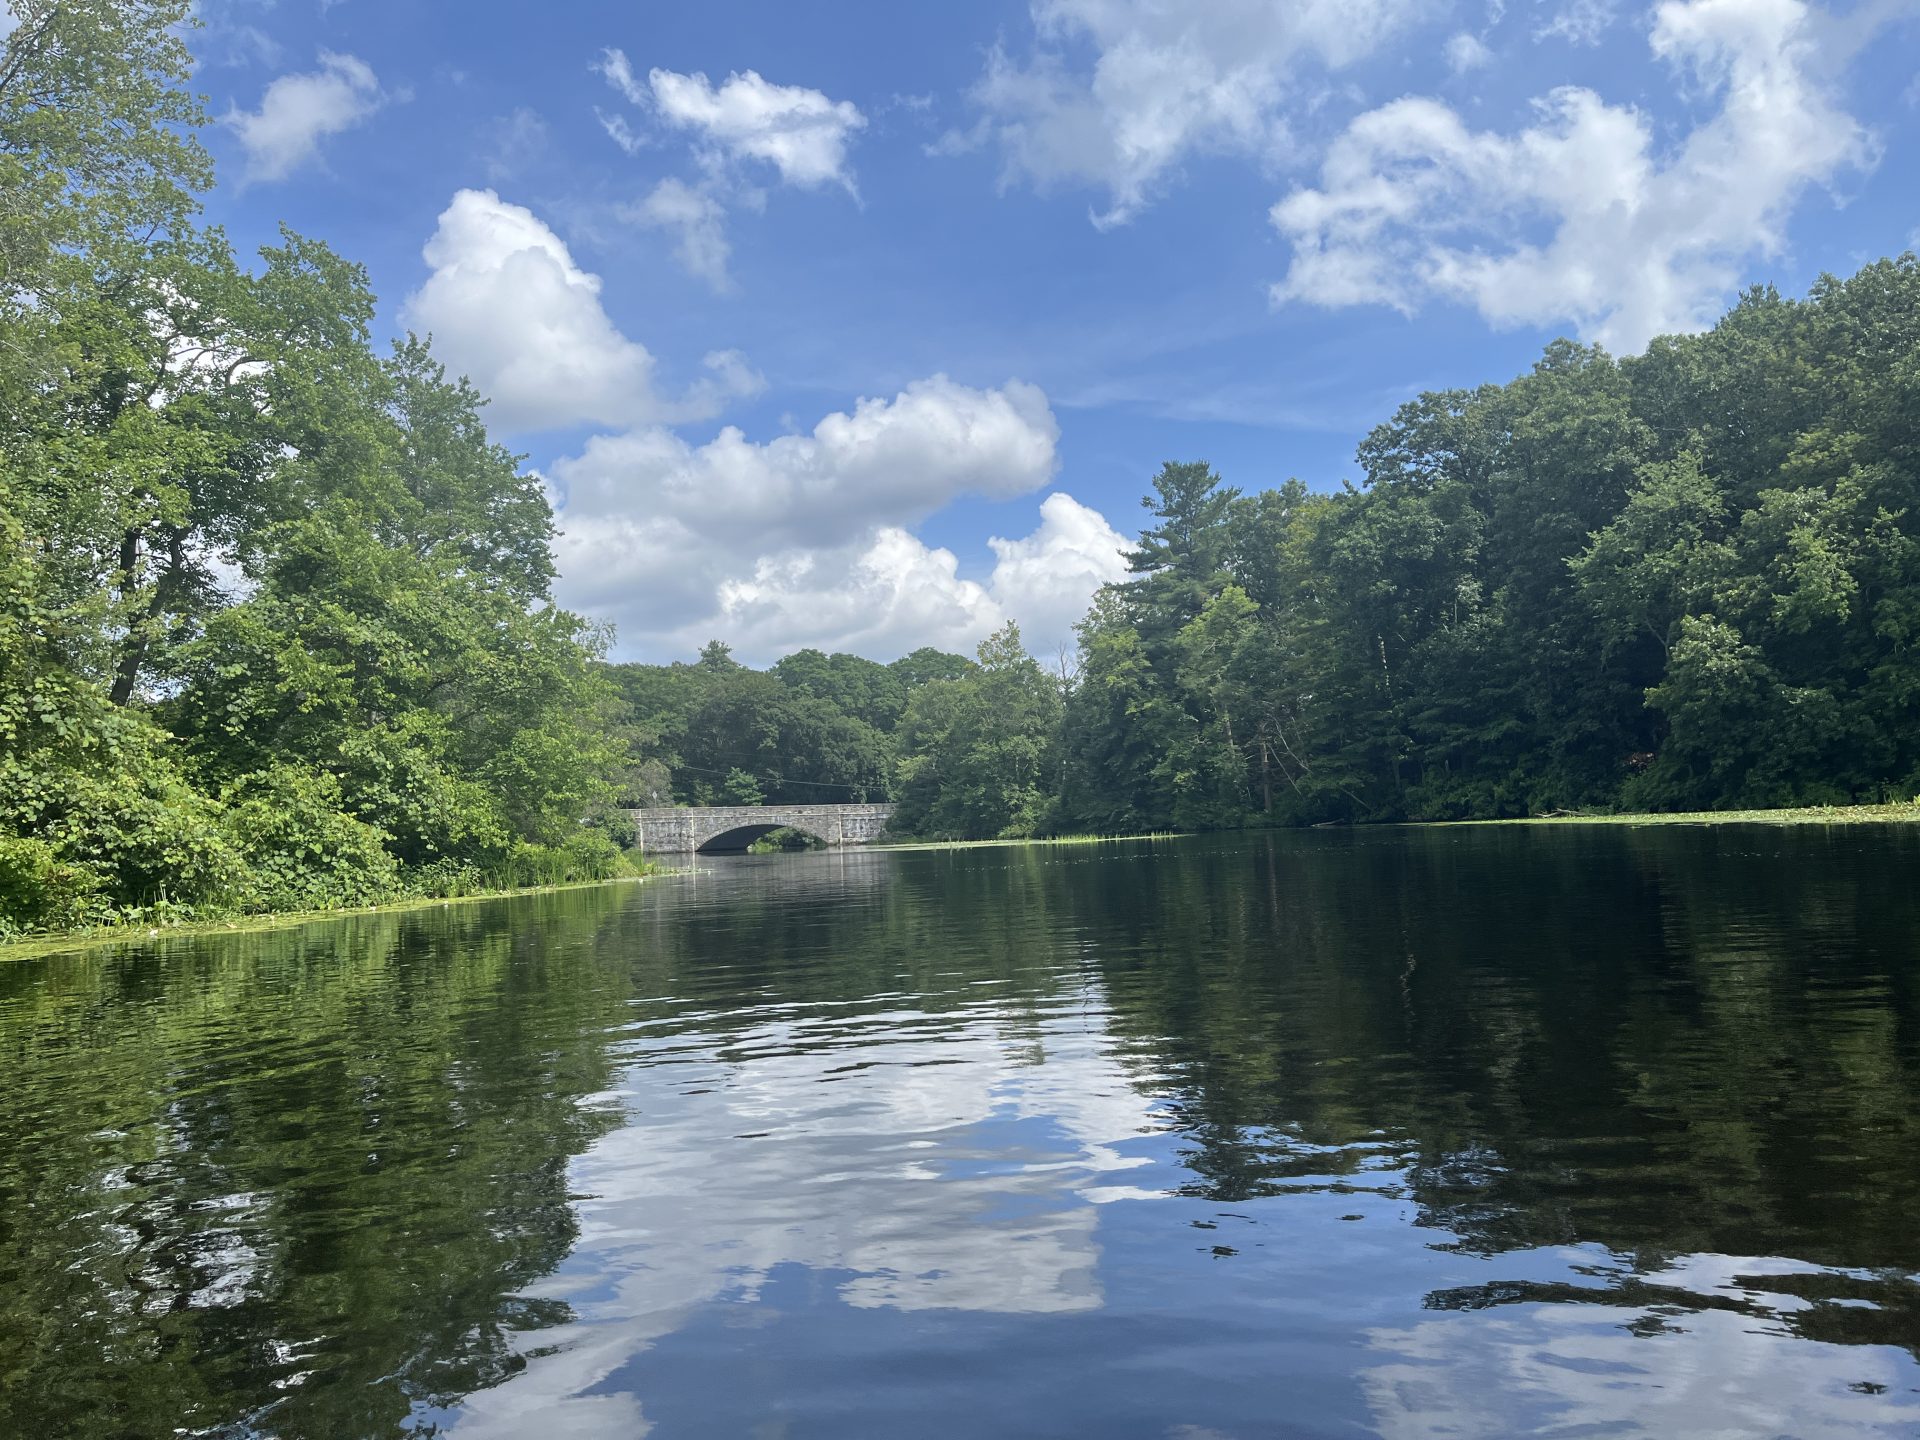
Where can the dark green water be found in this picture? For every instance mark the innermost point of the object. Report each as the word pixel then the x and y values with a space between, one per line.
pixel 1464 1133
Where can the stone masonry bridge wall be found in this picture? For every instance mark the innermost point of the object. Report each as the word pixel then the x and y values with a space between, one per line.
pixel 685 830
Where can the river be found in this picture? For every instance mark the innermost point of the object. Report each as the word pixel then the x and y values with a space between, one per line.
pixel 1474 1132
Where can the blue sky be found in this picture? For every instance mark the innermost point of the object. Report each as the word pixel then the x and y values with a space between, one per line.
pixel 863 325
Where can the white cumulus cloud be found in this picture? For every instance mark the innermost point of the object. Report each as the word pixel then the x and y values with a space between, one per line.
pixel 699 223
pixel 508 307
pixel 800 132
pixel 883 600
pixel 1046 579
pixel 805 539
pixel 297 112
pixel 1166 82
pixel 898 593
pixel 737 129
pixel 894 460
pixel 1582 216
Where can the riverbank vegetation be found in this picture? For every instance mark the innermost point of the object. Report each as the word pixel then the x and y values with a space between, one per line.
pixel 277 630
pixel 121 932
pixel 1907 813
pixel 275 623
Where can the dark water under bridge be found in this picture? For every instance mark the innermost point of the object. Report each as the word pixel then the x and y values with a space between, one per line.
pixel 685 830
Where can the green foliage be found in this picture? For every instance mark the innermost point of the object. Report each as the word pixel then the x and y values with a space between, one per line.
pixel 1689 578
pixel 105 818
pixel 41 891
pixel 981 751
pixel 98 150
pixel 867 691
pixel 927 664
pixel 388 686
pixel 1181 560
pixel 740 788
pixel 776 842
pixel 302 850
pixel 584 855
pixel 815 728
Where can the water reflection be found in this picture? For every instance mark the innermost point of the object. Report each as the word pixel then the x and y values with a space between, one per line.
pixel 1403 1133
pixel 1702 1346
pixel 289 1183
pixel 943 1165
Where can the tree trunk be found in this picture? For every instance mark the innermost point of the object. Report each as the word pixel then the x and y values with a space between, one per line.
pixel 127 671
pixel 133 653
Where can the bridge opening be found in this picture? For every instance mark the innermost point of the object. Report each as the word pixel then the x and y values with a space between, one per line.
pixel 682 830
pixel 738 840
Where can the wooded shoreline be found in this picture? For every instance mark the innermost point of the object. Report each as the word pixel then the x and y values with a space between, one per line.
pixel 279 634
pixel 64 942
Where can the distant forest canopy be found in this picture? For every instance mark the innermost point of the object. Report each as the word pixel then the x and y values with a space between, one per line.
pixel 276 629
pixel 1685 579
pixel 813 729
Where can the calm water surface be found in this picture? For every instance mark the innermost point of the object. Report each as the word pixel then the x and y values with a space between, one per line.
pixel 1595 1132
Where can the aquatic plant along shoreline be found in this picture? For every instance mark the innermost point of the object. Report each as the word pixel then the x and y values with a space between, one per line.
pixel 1907 814
pixel 127 933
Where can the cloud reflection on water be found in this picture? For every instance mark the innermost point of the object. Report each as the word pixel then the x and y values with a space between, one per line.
pixel 1009 1136
pixel 960 1162
pixel 1655 1371
pixel 940 1162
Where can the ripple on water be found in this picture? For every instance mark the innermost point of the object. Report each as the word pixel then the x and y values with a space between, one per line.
pixel 1412 1134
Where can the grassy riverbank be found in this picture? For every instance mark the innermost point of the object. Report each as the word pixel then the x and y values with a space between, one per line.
pixel 32 946
pixel 1907 813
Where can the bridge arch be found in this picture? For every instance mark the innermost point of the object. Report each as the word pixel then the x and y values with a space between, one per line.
pixel 691 829
pixel 741 837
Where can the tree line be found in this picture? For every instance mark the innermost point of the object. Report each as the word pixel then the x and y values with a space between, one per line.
pixel 1684 579
pixel 1687 579
pixel 277 631
pixel 965 748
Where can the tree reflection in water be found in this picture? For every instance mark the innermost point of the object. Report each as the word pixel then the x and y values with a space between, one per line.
pixel 1616 1126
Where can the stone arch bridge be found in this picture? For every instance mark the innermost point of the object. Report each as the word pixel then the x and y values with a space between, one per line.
pixel 688 829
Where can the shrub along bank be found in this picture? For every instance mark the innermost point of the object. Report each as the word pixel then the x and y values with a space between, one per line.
pixel 275 621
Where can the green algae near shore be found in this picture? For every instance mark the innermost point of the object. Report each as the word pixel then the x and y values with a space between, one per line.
pixel 1902 814
pixel 32 947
